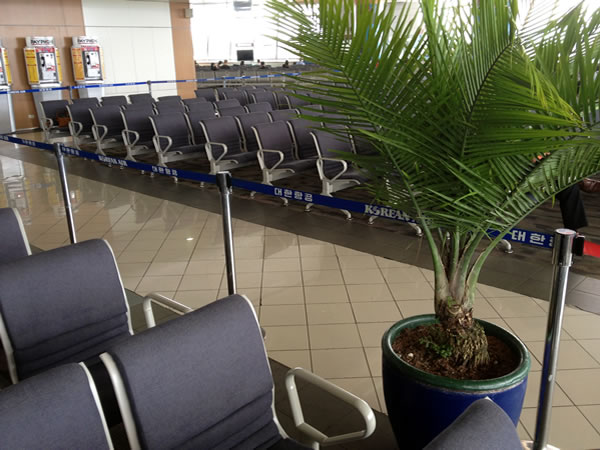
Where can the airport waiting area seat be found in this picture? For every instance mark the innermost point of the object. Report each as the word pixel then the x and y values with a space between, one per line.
pixel 55 112
pixel 224 145
pixel 107 128
pixel 276 152
pixel 264 97
pixel 245 124
pixel 194 117
pixel 283 114
pixel 211 379
pixel 259 107
pixel 119 100
pixel 227 103
pixel 169 98
pixel 172 139
pixel 169 106
pixel 92 102
pixel 188 102
pixel 207 93
pixel 137 132
pixel 15 244
pixel 141 98
pixel 81 123
pixel 55 410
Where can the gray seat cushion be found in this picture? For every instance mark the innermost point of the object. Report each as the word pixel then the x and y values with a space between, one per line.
pixel 13 245
pixel 299 165
pixel 53 410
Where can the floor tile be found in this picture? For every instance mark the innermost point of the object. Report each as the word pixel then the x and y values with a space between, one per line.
pixel 329 313
pixel 173 256
pixel 271 315
pixel 482 309
pixel 361 387
pixel 245 280
pixel 292 358
pixel 158 284
pixel 533 392
pixel 248 265
pixel 374 360
pixel 410 308
pixel 362 276
pixel 378 381
pixel 340 363
pixel 334 336
pixel 281 252
pixel 520 306
pixel 132 269
pixel 569 429
pixel 205 267
pixel 592 413
pixel 317 250
pixel 166 268
pixel 131 283
pixel 322 277
pixel 282 295
pixel 419 290
pixel 357 262
pixel 196 299
pixel 326 294
pixel 320 263
pixel 286 337
pixel 369 293
pixel 136 257
pixel 531 328
pixel 402 274
pixel 282 265
pixel 581 385
pixel 592 346
pixel 279 279
pixel 490 291
pixel 571 355
pixel 583 327
pixel 200 282
pixel 372 333
pixel 376 312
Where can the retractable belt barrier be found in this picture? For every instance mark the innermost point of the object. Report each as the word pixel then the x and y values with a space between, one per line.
pixel 533 238
pixel 149 82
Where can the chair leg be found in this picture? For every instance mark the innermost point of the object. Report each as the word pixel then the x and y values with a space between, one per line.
pixel 417 229
pixel 285 201
pixel 372 219
pixel 308 207
pixel 347 214
pixel 506 246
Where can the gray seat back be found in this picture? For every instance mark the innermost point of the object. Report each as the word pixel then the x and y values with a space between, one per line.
pixel 238 95
pixel 328 145
pixel 225 131
pixel 168 98
pixel 221 91
pixel 232 111
pixel 138 120
pixel 294 102
pixel 110 117
pixel 283 114
pixel 207 93
pixel 148 108
pixel 54 109
pixel 303 141
pixel 90 101
pixel 119 100
pixel 170 106
pixel 80 112
pixel 227 103
pixel 246 122
pixel 57 307
pixel 54 410
pixel 194 118
pixel 205 108
pixel 275 136
pixel 210 377
pixel 141 98
pixel 14 243
pixel 259 107
pixel 175 126
pixel 263 97
pixel 191 101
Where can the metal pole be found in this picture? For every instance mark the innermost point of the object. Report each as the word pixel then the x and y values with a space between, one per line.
pixel 71 94
pixel 65 190
pixel 224 184
pixel 562 259
pixel 149 82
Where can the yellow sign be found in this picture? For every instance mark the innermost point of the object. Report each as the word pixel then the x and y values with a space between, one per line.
pixel 7 74
pixel 76 56
pixel 58 68
pixel 32 68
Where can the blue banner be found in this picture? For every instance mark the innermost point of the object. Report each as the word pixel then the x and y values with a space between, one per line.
pixel 528 237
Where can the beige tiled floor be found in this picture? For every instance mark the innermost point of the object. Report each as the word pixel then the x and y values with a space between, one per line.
pixel 323 306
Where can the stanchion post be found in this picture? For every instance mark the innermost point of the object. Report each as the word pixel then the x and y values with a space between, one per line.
pixel 224 184
pixel 71 94
pixel 149 86
pixel 65 190
pixel 562 259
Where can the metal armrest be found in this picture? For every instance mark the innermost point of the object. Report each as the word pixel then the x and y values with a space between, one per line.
pixel 96 134
pixel 126 133
pixel 209 153
pixel 47 123
pixel 75 128
pixel 340 161
pixel 156 140
pixel 163 301
pixel 316 436
pixel 281 158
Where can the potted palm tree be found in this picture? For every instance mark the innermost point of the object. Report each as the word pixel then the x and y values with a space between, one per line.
pixel 478 113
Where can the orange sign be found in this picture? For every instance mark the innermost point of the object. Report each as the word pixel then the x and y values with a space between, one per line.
pixel 77 59
pixel 32 68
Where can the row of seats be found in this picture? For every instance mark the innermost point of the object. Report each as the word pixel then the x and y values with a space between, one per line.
pixel 73 359
pixel 198 381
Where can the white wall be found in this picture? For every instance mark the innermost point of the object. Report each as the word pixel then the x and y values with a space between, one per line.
pixel 137 42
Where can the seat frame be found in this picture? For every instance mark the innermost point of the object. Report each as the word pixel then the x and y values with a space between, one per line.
pixel 99 133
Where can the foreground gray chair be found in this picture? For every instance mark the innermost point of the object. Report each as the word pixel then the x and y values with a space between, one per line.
pixel 14 243
pixel 483 425
pixel 58 409
pixel 211 379
pixel 54 309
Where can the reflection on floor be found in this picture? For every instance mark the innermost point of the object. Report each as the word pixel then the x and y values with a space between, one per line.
pixel 325 290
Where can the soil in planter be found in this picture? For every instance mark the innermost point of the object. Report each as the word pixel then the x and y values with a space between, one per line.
pixel 407 345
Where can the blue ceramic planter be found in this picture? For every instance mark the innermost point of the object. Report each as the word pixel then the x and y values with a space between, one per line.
pixel 420 405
